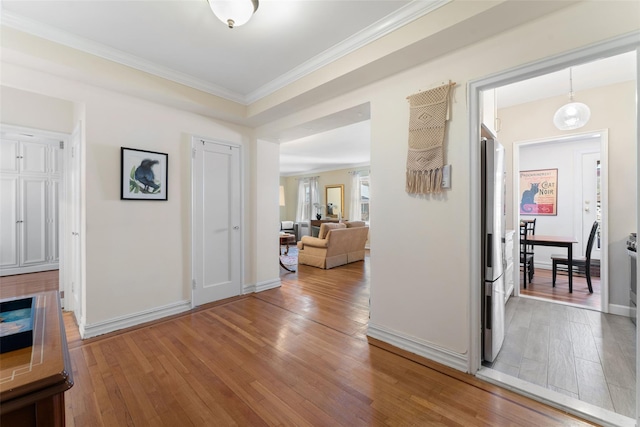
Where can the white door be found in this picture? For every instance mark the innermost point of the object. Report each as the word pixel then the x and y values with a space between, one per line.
pixel 591 209
pixel 216 221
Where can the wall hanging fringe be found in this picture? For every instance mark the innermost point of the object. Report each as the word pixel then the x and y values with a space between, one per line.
pixel 429 112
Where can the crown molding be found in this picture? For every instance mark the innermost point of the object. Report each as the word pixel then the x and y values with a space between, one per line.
pixel 399 18
pixel 53 34
pixel 412 11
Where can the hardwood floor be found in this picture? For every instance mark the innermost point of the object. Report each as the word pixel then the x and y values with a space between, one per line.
pixel 542 287
pixel 295 355
pixel 28 283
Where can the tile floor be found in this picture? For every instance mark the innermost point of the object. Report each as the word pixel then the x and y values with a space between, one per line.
pixel 582 353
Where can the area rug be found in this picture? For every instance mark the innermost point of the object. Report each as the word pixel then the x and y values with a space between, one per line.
pixel 291 258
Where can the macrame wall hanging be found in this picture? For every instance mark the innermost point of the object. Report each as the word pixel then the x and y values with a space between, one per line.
pixel 429 112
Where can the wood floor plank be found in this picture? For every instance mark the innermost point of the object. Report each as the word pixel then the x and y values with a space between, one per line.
pixel 542 287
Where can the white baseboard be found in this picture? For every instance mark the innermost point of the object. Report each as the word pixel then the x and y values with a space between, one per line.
pixel 267 284
pixel 100 328
pixel 620 310
pixel 421 348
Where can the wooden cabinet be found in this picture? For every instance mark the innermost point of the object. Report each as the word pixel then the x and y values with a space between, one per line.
pixel 509 264
pixel 30 182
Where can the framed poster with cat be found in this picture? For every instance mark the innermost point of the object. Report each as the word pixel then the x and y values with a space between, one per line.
pixel 539 192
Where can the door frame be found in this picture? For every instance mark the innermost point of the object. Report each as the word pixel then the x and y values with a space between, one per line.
pixel 618 45
pixel 603 136
pixel 198 140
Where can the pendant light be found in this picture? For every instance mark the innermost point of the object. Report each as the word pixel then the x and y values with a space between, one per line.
pixel 233 12
pixel 573 115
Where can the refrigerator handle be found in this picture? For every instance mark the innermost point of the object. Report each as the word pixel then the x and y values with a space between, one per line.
pixel 488 312
pixel 489 250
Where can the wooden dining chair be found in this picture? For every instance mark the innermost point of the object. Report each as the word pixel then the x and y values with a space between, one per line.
pixel 582 263
pixel 527 228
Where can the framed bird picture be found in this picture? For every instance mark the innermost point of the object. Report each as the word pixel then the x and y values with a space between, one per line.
pixel 143 174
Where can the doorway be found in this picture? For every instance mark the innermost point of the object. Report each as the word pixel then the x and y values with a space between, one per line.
pixel 34 203
pixel 614 47
pixel 582 165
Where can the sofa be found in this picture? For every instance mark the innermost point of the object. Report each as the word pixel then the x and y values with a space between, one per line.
pixel 337 244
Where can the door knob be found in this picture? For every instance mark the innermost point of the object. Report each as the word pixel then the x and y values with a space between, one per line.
pixel 236 227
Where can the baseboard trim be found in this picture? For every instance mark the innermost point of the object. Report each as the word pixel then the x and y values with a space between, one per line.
pixel 112 325
pixel 620 310
pixel 267 284
pixel 419 347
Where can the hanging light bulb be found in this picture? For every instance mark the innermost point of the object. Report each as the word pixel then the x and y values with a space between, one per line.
pixel 233 12
pixel 573 115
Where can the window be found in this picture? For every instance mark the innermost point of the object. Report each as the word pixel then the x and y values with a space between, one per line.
pixel 306 202
pixel 364 198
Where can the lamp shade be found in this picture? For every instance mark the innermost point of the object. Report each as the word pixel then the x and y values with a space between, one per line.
pixel 233 12
pixel 573 115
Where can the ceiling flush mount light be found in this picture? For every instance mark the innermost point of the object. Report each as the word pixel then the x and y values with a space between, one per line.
pixel 573 115
pixel 233 12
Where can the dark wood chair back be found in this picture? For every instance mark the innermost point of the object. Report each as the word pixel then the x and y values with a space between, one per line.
pixel 590 242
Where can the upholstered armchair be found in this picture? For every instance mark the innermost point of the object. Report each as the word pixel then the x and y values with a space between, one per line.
pixel 289 227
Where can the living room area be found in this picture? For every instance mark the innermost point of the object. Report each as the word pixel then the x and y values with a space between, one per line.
pixel 325 193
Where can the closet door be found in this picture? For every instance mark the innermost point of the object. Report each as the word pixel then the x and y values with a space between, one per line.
pixel 9 225
pixel 33 215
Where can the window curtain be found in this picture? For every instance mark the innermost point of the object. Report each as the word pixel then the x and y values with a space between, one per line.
pixel 314 196
pixel 308 194
pixel 355 208
pixel 300 210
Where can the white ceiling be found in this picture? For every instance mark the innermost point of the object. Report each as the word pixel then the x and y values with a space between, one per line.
pixel 183 41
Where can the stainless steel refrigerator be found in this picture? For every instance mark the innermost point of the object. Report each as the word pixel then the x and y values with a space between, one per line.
pixel 493 198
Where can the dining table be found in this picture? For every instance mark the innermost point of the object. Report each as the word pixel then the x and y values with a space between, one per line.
pixel 557 241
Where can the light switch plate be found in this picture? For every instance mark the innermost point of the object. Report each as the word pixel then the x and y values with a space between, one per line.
pixel 446 176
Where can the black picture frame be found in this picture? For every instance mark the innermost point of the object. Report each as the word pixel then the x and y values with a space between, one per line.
pixel 144 175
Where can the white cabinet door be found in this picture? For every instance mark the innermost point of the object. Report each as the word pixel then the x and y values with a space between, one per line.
pixel 55 160
pixel 33 211
pixel 33 157
pixel 9 221
pixel 9 156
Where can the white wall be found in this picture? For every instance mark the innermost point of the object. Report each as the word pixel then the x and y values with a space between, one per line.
pixel 267 221
pixel 35 111
pixel 137 252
